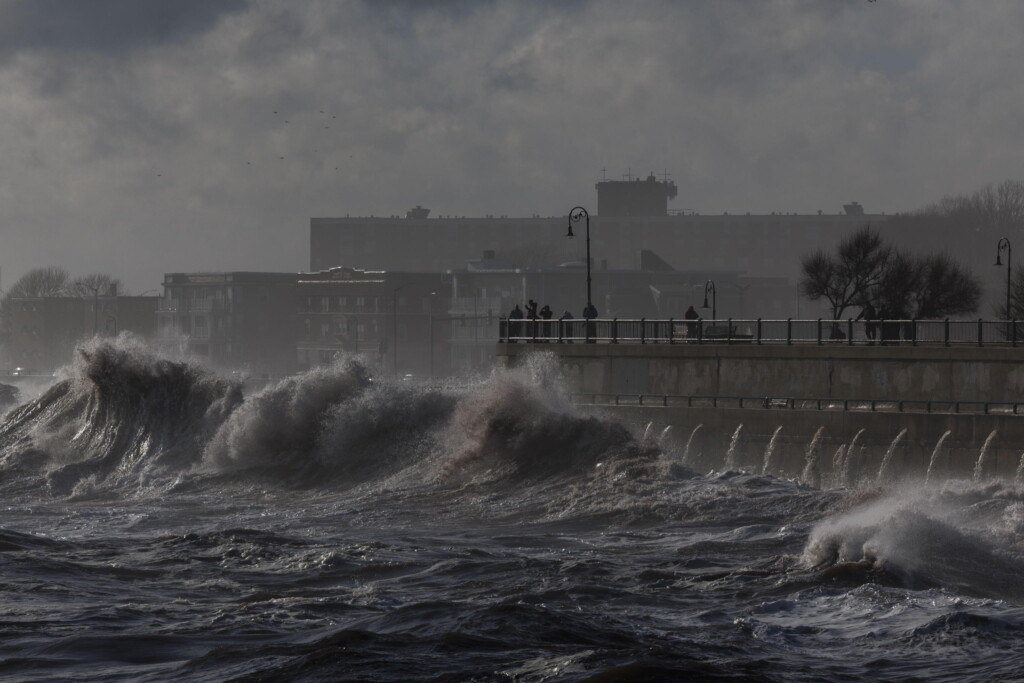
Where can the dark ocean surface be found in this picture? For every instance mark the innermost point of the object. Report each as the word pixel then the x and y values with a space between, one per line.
pixel 161 524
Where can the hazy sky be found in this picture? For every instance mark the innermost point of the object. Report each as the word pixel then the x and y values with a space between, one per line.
pixel 141 137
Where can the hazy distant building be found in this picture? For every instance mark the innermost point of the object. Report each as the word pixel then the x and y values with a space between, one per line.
pixel 43 331
pixel 634 197
pixel 632 216
pixel 386 317
pixel 232 320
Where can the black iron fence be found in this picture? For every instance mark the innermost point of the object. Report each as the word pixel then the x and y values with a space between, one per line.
pixel 797 403
pixel 945 332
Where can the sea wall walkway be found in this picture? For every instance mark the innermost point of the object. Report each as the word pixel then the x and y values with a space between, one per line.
pixel 950 402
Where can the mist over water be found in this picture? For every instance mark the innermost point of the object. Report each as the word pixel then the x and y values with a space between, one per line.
pixel 161 521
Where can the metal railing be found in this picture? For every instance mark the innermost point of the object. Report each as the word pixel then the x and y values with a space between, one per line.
pixel 946 332
pixel 795 403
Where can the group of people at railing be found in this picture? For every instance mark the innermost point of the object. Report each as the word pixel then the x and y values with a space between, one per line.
pixel 534 323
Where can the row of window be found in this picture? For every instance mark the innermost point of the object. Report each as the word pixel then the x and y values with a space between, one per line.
pixel 362 304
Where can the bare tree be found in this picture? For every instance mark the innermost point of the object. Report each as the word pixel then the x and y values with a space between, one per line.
pixel 847 277
pixel 897 283
pixel 944 288
pixel 901 277
pixel 40 282
pixel 95 284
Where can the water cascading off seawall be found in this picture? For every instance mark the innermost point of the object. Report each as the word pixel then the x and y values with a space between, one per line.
pixel 850 460
pixel 769 451
pixel 688 455
pixel 838 461
pixel 730 453
pixel 883 469
pixel 980 467
pixel 811 473
pixel 936 454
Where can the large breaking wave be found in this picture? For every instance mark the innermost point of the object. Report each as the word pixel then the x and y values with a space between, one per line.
pixel 123 419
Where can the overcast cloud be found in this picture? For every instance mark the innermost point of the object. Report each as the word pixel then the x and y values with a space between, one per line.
pixel 139 138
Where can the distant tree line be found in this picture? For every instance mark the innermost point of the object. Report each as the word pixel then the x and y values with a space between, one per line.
pixel 53 281
pixel 970 226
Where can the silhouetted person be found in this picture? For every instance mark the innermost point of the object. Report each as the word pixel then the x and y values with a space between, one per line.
pixel 889 330
pixel 545 314
pixel 869 316
pixel 590 312
pixel 515 325
pixel 565 326
pixel 691 322
pixel 531 314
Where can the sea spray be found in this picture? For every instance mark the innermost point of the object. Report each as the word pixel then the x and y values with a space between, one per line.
pixel 979 467
pixel 811 475
pixel 730 453
pixel 769 451
pixel 279 428
pixel 922 537
pixel 119 413
pixel 883 469
pixel 511 428
pixel 936 454
pixel 688 456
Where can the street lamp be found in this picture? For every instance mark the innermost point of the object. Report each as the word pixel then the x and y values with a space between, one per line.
pixel 576 214
pixel 1004 243
pixel 710 286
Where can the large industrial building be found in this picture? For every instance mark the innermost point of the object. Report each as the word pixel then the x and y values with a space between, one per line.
pixel 632 215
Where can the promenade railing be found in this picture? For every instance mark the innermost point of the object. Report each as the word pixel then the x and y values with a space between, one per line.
pixel 945 332
pixel 874 405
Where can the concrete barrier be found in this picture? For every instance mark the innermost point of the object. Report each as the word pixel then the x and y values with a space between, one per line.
pixel 881 372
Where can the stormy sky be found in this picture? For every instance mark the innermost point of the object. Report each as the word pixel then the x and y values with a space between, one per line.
pixel 139 138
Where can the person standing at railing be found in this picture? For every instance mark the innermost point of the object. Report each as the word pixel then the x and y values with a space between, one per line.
pixel 515 325
pixel 691 322
pixel 868 315
pixel 531 315
pixel 566 326
pixel 545 314
pixel 590 313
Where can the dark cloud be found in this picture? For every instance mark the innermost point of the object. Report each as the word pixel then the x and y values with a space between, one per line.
pixel 198 143
pixel 105 26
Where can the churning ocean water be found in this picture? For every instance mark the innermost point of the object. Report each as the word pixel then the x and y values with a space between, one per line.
pixel 160 524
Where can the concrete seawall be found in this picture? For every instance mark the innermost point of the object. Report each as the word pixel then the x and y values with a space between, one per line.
pixel 871 434
pixel 874 372
pixel 990 373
